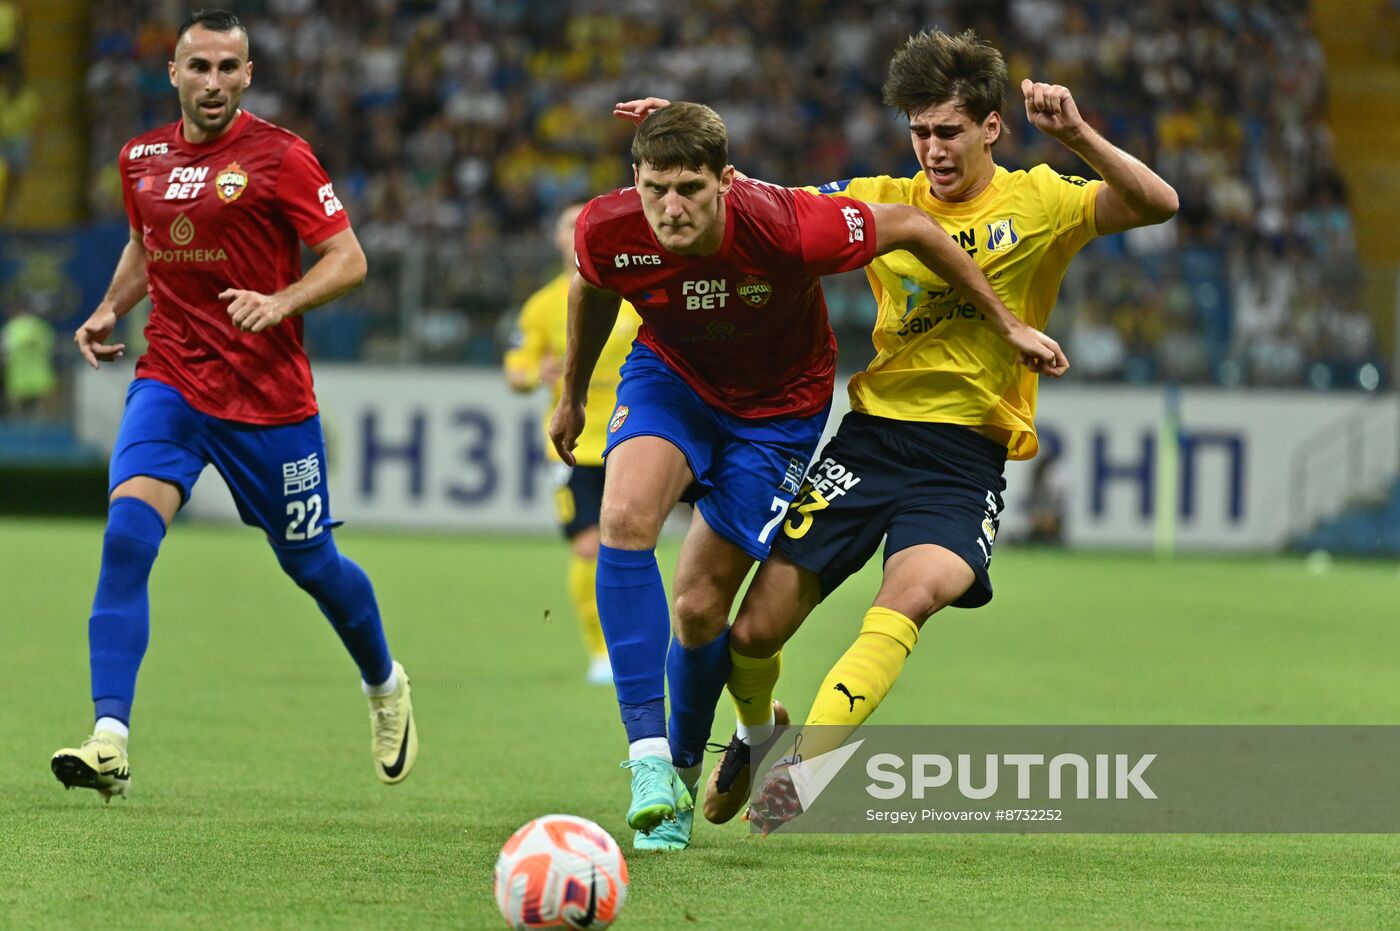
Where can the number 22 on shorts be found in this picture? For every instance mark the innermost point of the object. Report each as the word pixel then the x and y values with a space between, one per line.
pixel 305 520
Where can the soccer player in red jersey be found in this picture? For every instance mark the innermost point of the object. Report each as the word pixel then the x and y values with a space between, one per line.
pixel 722 401
pixel 220 203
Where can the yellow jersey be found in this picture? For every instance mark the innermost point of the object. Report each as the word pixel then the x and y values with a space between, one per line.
pixel 542 333
pixel 936 359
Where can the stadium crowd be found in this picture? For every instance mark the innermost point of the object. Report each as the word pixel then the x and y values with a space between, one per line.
pixel 454 129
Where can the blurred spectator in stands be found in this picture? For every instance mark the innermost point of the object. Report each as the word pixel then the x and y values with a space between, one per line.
pixel 1387 34
pixel 19 119
pixel 11 32
pixel 26 352
pixel 1095 346
pixel 444 116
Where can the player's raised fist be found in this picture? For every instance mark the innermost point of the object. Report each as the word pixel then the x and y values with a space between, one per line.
pixel 1051 109
pixel 252 312
pixel 634 111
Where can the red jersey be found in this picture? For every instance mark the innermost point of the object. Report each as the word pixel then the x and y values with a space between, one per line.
pixel 231 213
pixel 745 327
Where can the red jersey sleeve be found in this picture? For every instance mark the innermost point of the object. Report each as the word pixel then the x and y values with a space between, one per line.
pixel 306 196
pixel 837 233
pixel 129 182
pixel 582 258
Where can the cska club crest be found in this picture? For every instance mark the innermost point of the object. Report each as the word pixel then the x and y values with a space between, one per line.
pixel 619 417
pixel 755 291
pixel 231 183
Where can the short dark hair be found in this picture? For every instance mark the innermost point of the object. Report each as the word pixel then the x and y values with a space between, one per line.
pixel 682 135
pixel 214 20
pixel 933 67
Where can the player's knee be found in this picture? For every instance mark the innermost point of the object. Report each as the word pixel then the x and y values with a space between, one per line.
pixel 312 568
pixel 585 543
pixel 629 524
pixel 750 638
pixel 701 615
pixel 133 535
pixel 918 602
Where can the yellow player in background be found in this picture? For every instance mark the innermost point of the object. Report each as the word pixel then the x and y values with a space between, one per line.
pixel 537 358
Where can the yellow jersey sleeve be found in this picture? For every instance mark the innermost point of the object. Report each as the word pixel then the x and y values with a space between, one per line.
pixel 937 359
pixel 1069 202
pixel 539 329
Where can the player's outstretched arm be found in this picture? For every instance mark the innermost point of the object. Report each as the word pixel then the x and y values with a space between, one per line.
pixel 898 226
pixel 128 286
pixel 1133 194
pixel 340 268
pixel 592 314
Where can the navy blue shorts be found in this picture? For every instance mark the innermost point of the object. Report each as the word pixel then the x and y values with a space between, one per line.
pixel 579 499
pixel 746 471
pixel 909 483
pixel 276 474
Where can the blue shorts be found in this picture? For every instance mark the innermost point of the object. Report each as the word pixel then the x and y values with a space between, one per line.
pixel 276 474
pixel 746 471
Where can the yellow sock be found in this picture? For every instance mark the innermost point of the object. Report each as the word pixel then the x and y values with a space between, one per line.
pixel 751 683
pixel 584 596
pixel 860 680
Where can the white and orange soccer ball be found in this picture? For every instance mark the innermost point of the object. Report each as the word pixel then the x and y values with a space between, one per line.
pixel 559 871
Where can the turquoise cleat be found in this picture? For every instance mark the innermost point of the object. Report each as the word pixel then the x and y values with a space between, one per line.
pixel 668 835
pixel 658 794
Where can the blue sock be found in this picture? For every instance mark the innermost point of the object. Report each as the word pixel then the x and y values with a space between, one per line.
pixel 120 625
pixel 345 596
pixel 696 676
pixel 636 625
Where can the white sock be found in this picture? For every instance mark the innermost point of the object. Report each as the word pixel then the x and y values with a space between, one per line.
pixel 757 733
pixel 111 726
pixel 386 687
pixel 691 777
pixel 650 746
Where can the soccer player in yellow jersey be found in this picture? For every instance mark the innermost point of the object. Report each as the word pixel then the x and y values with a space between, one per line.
pixel 537 358
pixel 919 460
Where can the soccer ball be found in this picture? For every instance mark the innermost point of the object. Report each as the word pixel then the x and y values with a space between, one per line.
pixel 559 871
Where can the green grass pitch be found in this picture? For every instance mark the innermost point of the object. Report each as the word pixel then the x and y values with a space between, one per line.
pixel 254 804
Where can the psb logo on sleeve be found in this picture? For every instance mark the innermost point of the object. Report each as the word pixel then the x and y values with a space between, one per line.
pixel 619 417
pixel 149 148
pixel 301 475
pixel 623 260
pixel 1001 235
